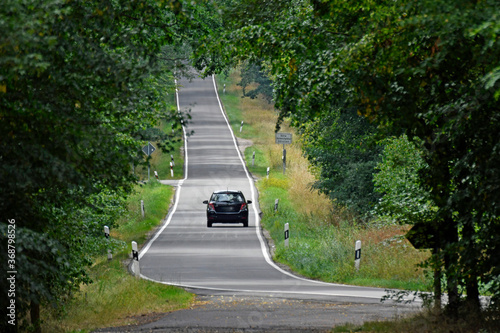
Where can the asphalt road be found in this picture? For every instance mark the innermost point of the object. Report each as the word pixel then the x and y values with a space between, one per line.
pixel 227 259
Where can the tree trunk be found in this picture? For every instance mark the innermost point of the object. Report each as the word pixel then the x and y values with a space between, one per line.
pixel 451 286
pixel 437 280
pixel 472 287
pixel 450 263
pixel 471 284
pixel 35 316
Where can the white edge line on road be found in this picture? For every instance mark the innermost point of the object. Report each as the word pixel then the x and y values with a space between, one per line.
pixel 177 192
pixel 264 291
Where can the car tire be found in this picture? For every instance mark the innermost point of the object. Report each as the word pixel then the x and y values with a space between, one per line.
pixel 209 224
pixel 245 224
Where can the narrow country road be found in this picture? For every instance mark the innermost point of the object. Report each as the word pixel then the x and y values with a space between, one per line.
pixel 228 260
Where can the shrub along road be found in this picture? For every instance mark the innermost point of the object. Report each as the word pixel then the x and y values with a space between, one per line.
pixel 232 260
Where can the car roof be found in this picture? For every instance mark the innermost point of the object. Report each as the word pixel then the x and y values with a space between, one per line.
pixel 227 191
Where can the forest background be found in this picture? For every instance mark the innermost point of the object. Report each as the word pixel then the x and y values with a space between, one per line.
pixel 83 84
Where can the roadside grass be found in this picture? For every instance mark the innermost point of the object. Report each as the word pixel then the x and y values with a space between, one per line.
pixel 253 112
pixel 116 298
pixel 157 198
pixel 322 235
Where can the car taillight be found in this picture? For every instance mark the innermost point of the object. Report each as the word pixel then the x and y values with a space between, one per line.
pixel 211 207
pixel 243 206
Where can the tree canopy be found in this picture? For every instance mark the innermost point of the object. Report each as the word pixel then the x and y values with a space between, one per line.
pixel 81 82
pixel 429 69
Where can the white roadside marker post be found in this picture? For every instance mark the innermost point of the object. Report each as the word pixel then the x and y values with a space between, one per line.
pixel 276 202
pixel 241 127
pixel 287 234
pixel 268 172
pixel 357 255
pixel 106 234
pixel 143 210
pixel 135 260
pixel 172 169
pixel 156 175
pixel 253 158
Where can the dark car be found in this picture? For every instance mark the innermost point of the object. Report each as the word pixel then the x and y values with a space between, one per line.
pixel 227 207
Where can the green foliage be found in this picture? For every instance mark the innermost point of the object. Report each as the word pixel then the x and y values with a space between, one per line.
pixel 160 160
pixel 322 242
pixel 310 93
pixel 61 254
pixel 252 73
pixel 114 297
pixel 132 226
pixel 426 68
pixel 167 139
pixel 81 84
pixel 404 199
pixel 425 73
pixel 342 145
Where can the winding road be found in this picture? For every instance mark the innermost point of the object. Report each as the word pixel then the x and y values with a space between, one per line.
pixel 225 259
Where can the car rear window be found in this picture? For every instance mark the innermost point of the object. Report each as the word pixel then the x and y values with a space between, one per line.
pixel 227 197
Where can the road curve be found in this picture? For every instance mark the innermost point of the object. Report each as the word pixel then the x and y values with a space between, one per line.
pixel 225 258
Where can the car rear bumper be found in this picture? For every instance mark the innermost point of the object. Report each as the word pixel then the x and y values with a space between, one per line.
pixel 227 217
